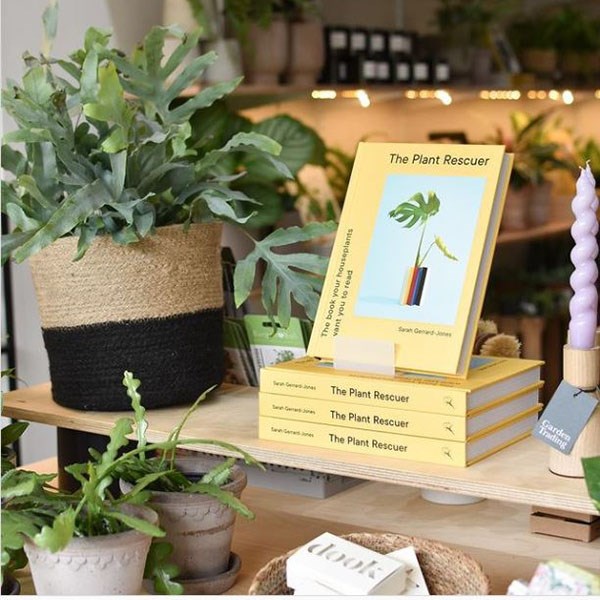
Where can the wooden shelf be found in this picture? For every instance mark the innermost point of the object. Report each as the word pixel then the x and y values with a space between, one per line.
pixel 518 474
pixel 251 95
pixel 494 533
pixel 533 233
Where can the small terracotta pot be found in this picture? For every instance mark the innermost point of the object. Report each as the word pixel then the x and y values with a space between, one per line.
pixel 538 208
pixel 266 53
pixel 514 216
pixel 539 60
pixel 306 52
pixel 100 565
pixel 199 527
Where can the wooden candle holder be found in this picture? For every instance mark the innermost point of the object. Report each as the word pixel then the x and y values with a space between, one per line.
pixel 581 368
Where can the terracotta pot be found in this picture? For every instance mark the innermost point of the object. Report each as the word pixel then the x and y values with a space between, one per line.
pixel 514 216
pixel 306 52
pixel 538 208
pixel 198 525
pixel 539 60
pixel 154 307
pixel 100 565
pixel 229 62
pixel 265 54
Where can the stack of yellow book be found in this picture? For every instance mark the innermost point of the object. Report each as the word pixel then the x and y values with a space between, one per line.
pixel 426 418
pixel 406 279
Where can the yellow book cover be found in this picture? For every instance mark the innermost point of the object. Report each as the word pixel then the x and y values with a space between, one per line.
pixel 488 379
pixel 393 445
pixel 420 424
pixel 413 251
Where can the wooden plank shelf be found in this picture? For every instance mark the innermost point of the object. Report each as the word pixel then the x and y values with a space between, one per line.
pixel 518 474
pixel 494 533
pixel 534 233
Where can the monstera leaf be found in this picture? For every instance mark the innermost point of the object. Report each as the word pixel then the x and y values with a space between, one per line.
pixel 298 275
pixel 416 210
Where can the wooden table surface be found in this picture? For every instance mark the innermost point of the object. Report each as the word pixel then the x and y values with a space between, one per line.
pixel 495 533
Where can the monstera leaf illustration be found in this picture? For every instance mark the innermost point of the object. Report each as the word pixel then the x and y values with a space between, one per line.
pixel 416 210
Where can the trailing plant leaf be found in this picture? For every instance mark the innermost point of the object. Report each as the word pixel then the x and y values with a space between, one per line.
pixel 160 571
pixel 56 536
pixel 220 474
pixel 138 524
pixel 11 433
pixel 224 497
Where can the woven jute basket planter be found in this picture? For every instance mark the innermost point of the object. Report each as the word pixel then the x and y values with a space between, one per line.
pixel 154 308
pixel 447 571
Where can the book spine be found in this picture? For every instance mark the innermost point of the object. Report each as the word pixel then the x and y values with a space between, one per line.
pixel 374 443
pixel 344 414
pixel 369 392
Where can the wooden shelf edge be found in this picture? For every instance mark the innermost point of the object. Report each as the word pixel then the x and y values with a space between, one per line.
pixel 550 229
pixel 493 478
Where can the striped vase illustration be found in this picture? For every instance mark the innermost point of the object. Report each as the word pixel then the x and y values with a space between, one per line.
pixel 154 308
pixel 414 283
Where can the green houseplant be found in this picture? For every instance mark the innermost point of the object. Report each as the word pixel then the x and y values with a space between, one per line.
pixel 92 525
pixel 536 154
pixel 300 145
pixel 109 172
pixel 196 499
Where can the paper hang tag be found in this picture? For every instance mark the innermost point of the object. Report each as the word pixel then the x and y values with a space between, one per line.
pixel 564 418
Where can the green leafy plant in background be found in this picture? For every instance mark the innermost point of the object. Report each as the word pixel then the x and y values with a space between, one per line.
pixel 535 152
pixel 300 145
pixel 241 14
pixel 417 211
pixel 591 470
pixel 107 151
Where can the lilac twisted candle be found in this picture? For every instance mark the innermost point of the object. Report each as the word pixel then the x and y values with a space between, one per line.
pixel 584 303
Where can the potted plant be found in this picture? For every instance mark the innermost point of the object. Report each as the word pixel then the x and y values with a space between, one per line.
pixel 306 55
pixel 576 38
pixel 534 41
pixel 79 541
pixel 536 154
pixel 109 176
pixel 197 500
pixel 418 211
pixel 94 534
pixel 465 27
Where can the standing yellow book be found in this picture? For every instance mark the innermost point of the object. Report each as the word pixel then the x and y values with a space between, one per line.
pixel 413 251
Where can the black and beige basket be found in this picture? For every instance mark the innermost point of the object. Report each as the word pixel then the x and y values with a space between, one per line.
pixel 447 571
pixel 154 308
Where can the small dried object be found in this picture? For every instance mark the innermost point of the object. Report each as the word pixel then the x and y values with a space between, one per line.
pixel 489 342
pixel 501 345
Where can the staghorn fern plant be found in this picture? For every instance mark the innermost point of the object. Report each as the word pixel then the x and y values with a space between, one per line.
pixel 417 211
pixel 107 151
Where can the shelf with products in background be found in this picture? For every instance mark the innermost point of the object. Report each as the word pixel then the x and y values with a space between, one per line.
pixel 545 111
